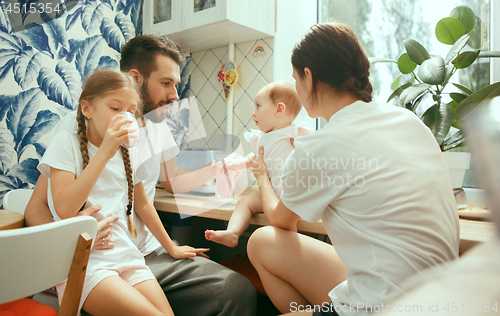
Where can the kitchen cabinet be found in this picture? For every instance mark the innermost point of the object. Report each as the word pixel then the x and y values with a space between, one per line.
pixel 203 24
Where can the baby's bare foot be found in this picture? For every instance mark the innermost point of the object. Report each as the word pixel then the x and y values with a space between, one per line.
pixel 222 237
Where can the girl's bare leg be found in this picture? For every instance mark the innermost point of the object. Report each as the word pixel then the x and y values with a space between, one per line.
pixel 114 296
pixel 295 269
pixel 239 222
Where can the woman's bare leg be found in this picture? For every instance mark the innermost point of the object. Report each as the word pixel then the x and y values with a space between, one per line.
pixel 239 222
pixel 294 268
pixel 114 296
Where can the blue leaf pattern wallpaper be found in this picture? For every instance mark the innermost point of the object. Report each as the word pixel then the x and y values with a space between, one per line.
pixel 41 72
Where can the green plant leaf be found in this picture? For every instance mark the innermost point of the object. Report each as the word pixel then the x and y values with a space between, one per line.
pixel 476 100
pixel 453 105
pixel 438 118
pixel 449 73
pixel 416 103
pixel 432 71
pixel 449 30
pixel 396 82
pixel 416 51
pixel 411 93
pixel 462 88
pixel 489 54
pixel 465 59
pixel 458 97
pixel 405 64
pixel 399 90
pixel 466 16
pixel 454 140
pixel 458 125
pixel 456 48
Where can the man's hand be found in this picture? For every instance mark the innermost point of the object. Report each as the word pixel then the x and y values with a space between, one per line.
pixel 104 228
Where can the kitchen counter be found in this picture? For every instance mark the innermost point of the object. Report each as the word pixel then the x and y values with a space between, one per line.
pixel 472 232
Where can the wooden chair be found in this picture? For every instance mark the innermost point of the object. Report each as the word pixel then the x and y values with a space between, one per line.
pixel 16 200
pixel 36 258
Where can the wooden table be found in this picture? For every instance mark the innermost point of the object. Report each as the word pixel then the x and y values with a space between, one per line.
pixel 472 232
pixel 11 220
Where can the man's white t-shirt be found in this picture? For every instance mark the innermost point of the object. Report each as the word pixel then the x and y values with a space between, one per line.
pixel 155 145
pixel 376 178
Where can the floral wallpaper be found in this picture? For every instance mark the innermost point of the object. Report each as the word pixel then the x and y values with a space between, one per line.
pixel 41 70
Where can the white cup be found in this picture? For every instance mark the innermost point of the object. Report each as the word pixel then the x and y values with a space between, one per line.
pixel 130 141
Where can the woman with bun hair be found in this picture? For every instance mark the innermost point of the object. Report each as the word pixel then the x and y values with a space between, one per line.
pixel 373 174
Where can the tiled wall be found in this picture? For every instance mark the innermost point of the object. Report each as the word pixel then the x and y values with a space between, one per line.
pixel 255 69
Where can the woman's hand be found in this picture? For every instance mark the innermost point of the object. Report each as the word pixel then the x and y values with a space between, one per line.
pixel 115 135
pixel 104 228
pixel 259 167
pixel 181 252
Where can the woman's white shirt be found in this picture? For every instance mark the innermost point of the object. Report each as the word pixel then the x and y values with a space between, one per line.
pixel 375 176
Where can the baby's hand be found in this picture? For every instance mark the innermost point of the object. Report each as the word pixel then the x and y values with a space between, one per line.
pixel 181 252
pixel 234 164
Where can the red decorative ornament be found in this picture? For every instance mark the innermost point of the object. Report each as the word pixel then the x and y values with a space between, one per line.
pixel 220 75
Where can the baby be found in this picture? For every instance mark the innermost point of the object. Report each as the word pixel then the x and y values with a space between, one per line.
pixel 276 106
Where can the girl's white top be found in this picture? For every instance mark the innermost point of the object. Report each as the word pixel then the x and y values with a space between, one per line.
pixel 110 191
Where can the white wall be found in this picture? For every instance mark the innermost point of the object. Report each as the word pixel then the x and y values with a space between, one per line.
pixel 495 40
pixel 293 19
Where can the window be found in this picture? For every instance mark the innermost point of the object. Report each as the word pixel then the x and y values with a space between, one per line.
pixel 382 26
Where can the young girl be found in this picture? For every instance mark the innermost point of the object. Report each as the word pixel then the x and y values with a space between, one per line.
pixel 276 106
pixel 90 167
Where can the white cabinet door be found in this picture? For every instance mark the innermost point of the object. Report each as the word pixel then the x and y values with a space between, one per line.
pixel 162 16
pixel 202 12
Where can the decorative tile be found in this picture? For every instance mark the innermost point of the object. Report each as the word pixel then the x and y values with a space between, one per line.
pixel 259 54
pixel 221 53
pixel 207 96
pixel 210 126
pixel 247 73
pixel 245 47
pixel 218 111
pixel 198 80
pixel 203 108
pixel 208 63
pixel 244 108
pixel 238 92
pixel 254 72
pixel 267 70
pixel 197 56
pixel 256 85
pixel 239 57
pixel 238 131
pixel 269 42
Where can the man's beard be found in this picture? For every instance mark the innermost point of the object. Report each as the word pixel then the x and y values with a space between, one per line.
pixel 155 112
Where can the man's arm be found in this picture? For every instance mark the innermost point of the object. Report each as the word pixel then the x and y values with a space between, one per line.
pixel 37 211
pixel 176 180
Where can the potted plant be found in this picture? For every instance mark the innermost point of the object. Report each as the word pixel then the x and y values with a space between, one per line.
pixel 430 76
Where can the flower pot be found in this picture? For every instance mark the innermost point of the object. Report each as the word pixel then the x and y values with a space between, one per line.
pixel 458 163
